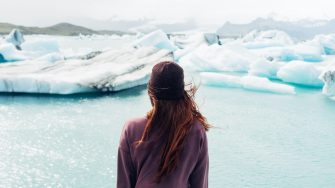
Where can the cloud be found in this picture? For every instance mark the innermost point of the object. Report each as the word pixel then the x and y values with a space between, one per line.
pixel 47 12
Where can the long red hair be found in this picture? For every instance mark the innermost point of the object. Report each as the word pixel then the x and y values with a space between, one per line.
pixel 170 121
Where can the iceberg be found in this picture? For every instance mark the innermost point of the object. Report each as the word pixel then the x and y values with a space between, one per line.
pixel 265 68
pixel 299 72
pixel 263 39
pixel 326 43
pixel 29 50
pixel 10 53
pixel 212 38
pixel 328 77
pixel 263 55
pixel 15 37
pixel 302 51
pixel 220 80
pixel 112 70
pixel 187 43
pixel 2 58
pixel 248 82
pixel 157 39
pixel 37 48
pixel 308 52
pixel 214 58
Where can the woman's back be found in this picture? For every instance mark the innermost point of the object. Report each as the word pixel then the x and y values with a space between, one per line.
pixel 168 147
pixel 138 164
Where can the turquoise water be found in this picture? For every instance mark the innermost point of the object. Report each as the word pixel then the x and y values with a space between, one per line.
pixel 259 139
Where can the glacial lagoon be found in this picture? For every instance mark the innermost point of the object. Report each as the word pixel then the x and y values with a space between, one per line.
pixel 261 138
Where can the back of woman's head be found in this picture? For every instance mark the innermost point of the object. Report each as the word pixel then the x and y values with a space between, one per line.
pixel 172 115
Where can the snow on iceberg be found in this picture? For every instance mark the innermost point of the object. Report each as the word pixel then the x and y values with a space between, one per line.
pixel 253 83
pixel 112 70
pixel 299 72
pixel 328 77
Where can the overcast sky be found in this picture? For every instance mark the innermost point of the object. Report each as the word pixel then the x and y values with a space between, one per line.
pixel 48 12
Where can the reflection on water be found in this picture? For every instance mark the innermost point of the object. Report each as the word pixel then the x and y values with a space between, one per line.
pixel 260 139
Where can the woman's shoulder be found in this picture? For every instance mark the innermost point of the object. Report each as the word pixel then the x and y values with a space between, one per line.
pixel 197 131
pixel 135 126
pixel 198 127
pixel 136 121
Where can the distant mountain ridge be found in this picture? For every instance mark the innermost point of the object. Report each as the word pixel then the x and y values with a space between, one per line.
pixel 143 25
pixel 302 30
pixel 65 29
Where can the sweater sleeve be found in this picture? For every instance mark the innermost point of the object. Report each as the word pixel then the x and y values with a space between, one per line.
pixel 125 169
pixel 199 175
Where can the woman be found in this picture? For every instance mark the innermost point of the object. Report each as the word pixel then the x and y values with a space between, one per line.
pixel 168 147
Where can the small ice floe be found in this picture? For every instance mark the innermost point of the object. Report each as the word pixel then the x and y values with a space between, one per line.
pixel 248 82
pixel 328 77
pixel 302 73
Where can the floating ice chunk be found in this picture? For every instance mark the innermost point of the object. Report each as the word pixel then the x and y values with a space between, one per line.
pixel 308 52
pixel 221 80
pixel 212 38
pixel 10 53
pixel 157 39
pixel 37 48
pixel 328 77
pixel 303 51
pixel 263 39
pixel 265 68
pixel 30 50
pixel 218 58
pixel 299 72
pixel 16 38
pixel 2 58
pixel 183 41
pixel 263 84
pixel 188 43
pixel 326 42
pixel 276 53
pixel 112 70
pixel 253 83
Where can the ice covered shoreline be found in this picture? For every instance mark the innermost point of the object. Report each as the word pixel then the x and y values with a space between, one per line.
pixel 260 56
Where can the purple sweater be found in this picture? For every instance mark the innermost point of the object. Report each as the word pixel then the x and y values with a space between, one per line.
pixel 137 166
